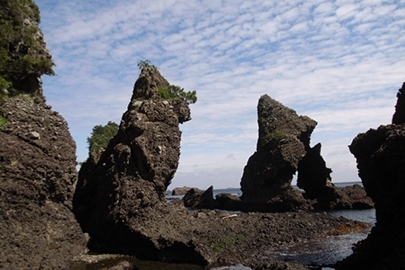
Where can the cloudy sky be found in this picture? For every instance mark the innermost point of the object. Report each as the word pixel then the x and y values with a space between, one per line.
pixel 338 62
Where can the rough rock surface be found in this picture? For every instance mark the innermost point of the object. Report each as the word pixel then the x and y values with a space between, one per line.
pixel 120 201
pixel 134 171
pixel 380 155
pixel 182 190
pixel 313 175
pixel 199 199
pixel 37 159
pixel 283 136
pixel 37 177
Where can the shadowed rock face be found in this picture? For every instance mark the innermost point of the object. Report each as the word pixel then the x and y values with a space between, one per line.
pixel 380 155
pixel 283 136
pixel 133 173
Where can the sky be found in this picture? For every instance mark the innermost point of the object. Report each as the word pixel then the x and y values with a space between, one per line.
pixel 339 62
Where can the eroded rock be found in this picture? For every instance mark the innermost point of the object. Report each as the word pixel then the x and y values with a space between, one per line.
pixel 37 177
pixel 283 136
pixel 380 155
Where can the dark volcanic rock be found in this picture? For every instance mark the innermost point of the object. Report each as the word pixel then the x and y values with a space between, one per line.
pixel 283 136
pixel 199 199
pixel 358 197
pixel 37 177
pixel 182 190
pixel 127 185
pixel 399 115
pixel 37 154
pixel 380 156
pixel 313 175
pixel 228 202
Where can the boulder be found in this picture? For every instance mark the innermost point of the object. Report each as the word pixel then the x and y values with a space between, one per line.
pixel 283 137
pixel 199 199
pixel 182 190
pixel 380 155
pixel 227 201
pixel 358 197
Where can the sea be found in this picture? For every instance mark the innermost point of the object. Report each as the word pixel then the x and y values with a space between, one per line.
pixel 317 252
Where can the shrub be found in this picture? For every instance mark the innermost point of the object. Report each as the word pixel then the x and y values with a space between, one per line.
pixel 21 51
pixel 101 136
pixel 172 91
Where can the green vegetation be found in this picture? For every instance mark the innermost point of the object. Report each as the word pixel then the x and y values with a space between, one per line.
pixel 3 121
pixel 101 136
pixel 21 51
pixel 227 242
pixel 146 64
pixel 174 91
pixel 171 91
pixel 276 135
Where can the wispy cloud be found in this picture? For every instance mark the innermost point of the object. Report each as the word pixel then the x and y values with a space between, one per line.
pixel 339 62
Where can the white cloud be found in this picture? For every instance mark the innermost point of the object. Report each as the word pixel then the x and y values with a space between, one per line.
pixel 338 62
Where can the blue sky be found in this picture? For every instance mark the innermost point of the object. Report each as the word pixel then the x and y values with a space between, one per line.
pixel 338 62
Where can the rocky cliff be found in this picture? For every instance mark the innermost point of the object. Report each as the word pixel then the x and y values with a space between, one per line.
pixel 380 155
pixel 37 155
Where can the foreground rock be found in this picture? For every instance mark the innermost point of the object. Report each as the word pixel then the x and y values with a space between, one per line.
pixel 127 184
pixel 381 163
pixel 37 164
pixel 37 176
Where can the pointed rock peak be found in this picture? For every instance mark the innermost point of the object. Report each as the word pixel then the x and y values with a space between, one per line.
pixel 277 122
pixel 149 83
pixel 399 115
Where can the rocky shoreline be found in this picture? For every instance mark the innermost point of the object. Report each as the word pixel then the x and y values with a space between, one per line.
pixel 52 216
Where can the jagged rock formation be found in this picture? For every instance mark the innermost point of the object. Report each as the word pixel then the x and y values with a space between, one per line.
pixel 37 168
pixel 283 148
pixel 199 199
pixel 380 155
pixel 283 136
pixel 134 171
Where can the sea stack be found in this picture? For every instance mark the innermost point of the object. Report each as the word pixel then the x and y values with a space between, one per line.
pixel 283 138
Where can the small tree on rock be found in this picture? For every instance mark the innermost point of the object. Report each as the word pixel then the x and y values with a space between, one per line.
pixel 101 136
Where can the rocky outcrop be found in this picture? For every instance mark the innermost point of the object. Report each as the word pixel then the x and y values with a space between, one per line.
pixel 199 199
pixel 121 192
pixel 313 175
pixel 283 136
pixel 380 155
pixel 37 177
pixel 37 155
